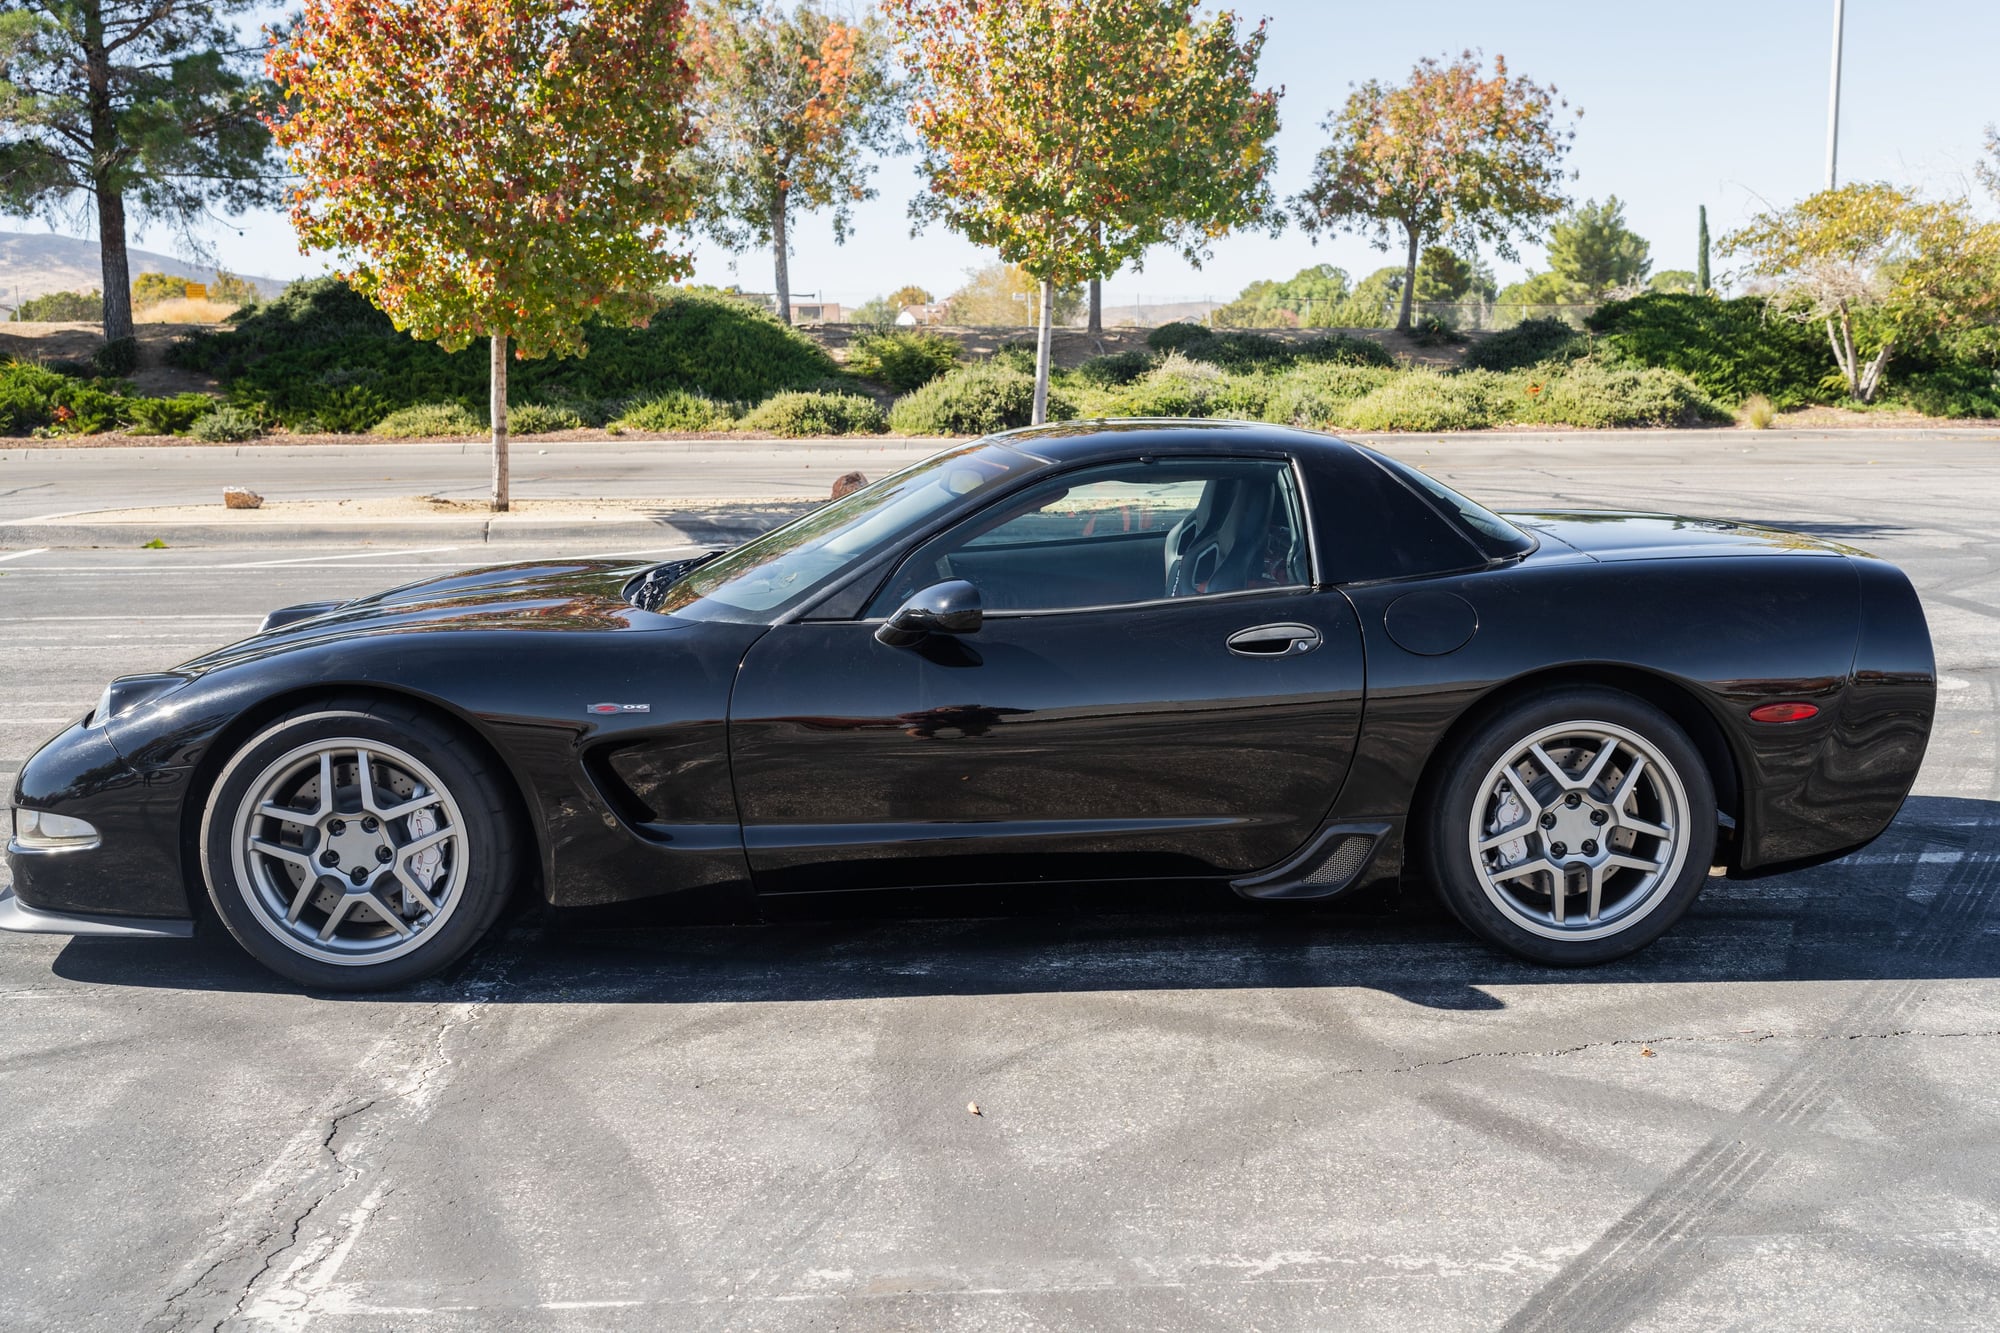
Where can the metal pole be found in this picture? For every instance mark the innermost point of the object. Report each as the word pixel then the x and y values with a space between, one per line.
pixel 1833 95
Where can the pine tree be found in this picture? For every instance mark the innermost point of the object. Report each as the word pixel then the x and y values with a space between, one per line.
pixel 1701 255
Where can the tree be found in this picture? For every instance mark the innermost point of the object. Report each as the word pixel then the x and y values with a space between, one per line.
pixel 1674 280
pixel 122 102
pixel 498 169
pixel 1878 266
pixel 1444 276
pixel 1702 285
pixel 1593 250
pixel 153 288
pixel 1000 296
pixel 786 108
pixel 908 295
pixel 1989 172
pixel 1451 155
pixel 1539 289
pixel 1071 135
pixel 1264 304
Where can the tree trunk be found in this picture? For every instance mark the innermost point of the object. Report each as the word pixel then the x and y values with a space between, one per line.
pixel 1044 344
pixel 1871 378
pixel 497 407
pixel 117 268
pixel 1096 325
pixel 1409 279
pixel 110 198
pixel 782 260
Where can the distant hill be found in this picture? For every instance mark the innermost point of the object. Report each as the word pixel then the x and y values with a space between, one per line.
pixel 35 263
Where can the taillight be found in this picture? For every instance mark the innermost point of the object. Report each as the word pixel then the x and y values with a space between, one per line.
pixel 1786 712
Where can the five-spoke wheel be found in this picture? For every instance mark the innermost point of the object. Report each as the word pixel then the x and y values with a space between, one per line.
pixel 357 846
pixel 1575 827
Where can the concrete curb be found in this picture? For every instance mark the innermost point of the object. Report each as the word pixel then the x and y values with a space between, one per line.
pixel 83 530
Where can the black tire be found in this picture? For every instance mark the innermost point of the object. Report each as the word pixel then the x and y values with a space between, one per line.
pixel 479 807
pixel 1465 774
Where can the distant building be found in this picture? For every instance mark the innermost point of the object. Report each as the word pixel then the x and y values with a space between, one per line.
pixel 918 316
pixel 817 312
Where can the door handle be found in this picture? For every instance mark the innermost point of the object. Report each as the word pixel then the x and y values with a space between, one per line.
pixel 1274 640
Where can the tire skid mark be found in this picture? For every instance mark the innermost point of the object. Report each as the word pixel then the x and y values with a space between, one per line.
pixel 1658 1243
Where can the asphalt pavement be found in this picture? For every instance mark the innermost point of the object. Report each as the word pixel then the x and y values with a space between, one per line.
pixel 1191 1113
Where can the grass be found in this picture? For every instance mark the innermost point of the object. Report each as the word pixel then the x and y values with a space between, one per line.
pixel 184 311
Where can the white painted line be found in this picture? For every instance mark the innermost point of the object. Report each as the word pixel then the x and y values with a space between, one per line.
pixel 319 559
pixel 20 555
pixel 138 618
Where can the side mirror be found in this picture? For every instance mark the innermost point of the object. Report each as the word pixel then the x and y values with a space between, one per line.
pixel 942 608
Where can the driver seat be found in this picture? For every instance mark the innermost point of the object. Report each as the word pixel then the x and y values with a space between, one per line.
pixel 1222 543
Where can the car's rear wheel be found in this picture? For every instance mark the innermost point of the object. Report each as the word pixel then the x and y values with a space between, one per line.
pixel 1573 828
pixel 356 845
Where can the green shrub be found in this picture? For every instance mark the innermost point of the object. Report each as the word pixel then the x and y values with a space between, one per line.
pixel 1433 331
pixel 1344 349
pixel 347 409
pixel 227 425
pixel 36 398
pixel 166 416
pixel 62 307
pixel 903 360
pixel 1177 387
pixel 1178 336
pixel 282 356
pixel 1427 400
pixel 1732 348
pixel 1954 389
pixel 427 421
pixel 1017 355
pixel 1594 395
pixel 676 409
pixel 1316 395
pixel 540 419
pixel 1528 343
pixel 975 400
pixel 117 358
pixel 800 413
pixel 1108 372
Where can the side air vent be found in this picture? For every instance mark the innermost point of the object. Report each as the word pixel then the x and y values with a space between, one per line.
pixel 1330 863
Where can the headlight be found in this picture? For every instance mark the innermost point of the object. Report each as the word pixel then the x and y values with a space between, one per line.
pixel 42 830
pixel 129 692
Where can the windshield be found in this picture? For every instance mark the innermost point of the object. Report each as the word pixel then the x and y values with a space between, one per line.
pixel 763 579
pixel 1495 535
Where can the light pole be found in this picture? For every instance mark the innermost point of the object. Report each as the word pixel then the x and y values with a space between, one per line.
pixel 1833 95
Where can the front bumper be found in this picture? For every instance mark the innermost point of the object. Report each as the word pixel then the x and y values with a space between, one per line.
pixel 18 916
pixel 133 871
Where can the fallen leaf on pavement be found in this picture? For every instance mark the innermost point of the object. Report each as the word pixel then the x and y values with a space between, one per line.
pixel 973 1107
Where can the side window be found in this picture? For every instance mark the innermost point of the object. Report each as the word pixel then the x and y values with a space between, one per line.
pixel 1122 534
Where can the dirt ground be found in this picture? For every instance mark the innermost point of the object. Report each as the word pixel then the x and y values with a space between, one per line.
pixel 35 341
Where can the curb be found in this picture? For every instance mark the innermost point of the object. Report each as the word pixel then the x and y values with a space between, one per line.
pixel 674 530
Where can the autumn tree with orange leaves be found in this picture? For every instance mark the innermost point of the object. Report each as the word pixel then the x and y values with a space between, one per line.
pixel 1453 155
pixel 498 169
pixel 787 107
pixel 1071 135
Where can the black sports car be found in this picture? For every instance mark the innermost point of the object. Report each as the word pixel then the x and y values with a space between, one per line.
pixel 1092 652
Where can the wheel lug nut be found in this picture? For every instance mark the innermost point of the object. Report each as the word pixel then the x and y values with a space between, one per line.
pixel 1548 820
pixel 1572 800
pixel 1597 817
pixel 370 824
pixel 336 826
pixel 1590 846
pixel 384 855
pixel 358 874
pixel 1559 849
pixel 329 857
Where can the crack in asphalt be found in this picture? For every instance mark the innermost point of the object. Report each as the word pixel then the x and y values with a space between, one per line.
pixel 1745 1039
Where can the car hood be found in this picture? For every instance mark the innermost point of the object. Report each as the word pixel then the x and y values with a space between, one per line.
pixel 1618 535
pixel 544 596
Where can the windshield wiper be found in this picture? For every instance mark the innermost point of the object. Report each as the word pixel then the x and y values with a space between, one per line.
pixel 648 590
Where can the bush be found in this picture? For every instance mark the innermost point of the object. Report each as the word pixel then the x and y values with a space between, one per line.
pixel 1432 331
pixel 284 356
pixel 1344 349
pixel 676 410
pixel 347 409
pixel 1178 336
pixel 975 400
pixel 37 398
pixel 1594 395
pixel 1017 355
pixel 117 358
pixel 1427 400
pixel 166 416
pixel 1528 343
pixel 1732 349
pixel 428 420
pixel 1108 372
pixel 1960 389
pixel 1316 395
pixel 813 413
pixel 903 360
pixel 62 307
pixel 540 419
pixel 1177 387
pixel 227 425
pixel 1757 412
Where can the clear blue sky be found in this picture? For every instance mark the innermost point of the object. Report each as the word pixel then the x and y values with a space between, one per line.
pixel 1701 101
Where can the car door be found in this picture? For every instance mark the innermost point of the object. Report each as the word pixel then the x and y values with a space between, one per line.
pixel 1159 687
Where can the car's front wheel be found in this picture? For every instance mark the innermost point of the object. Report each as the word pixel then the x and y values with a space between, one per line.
pixel 357 844
pixel 1574 828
